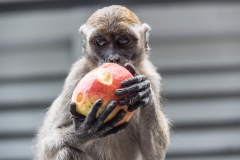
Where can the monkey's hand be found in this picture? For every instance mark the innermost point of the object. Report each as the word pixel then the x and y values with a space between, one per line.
pixel 90 127
pixel 139 89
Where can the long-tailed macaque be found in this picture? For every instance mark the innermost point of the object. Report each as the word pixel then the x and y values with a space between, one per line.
pixel 112 34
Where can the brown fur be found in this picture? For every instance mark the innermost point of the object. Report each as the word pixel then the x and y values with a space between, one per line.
pixel 115 18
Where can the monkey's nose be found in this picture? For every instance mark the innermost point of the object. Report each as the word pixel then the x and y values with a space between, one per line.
pixel 114 60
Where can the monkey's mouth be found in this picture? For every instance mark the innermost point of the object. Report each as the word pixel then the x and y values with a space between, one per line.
pixel 121 63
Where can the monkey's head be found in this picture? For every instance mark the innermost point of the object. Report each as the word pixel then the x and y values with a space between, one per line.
pixel 114 34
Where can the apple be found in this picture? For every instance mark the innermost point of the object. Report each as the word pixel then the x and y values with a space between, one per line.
pixel 101 83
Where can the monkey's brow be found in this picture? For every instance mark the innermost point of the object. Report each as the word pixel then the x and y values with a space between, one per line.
pixel 114 31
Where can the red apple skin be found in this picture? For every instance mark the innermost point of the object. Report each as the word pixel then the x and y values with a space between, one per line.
pixel 90 89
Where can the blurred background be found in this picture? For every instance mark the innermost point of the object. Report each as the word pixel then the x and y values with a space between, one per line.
pixel 195 45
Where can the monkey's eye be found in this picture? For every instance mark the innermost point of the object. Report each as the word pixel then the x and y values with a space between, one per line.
pixel 124 40
pixel 101 42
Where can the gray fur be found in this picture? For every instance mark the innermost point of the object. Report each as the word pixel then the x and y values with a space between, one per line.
pixel 146 136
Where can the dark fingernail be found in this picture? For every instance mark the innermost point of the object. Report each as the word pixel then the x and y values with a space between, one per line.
pixel 72 116
pixel 99 101
pixel 72 107
pixel 121 102
pixel 124 81
pixel 73 104
pixel 119 92
pixel 122 112
pixel 131 108
pixel 114 103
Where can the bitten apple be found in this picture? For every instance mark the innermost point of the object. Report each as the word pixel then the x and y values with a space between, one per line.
pixel 101 83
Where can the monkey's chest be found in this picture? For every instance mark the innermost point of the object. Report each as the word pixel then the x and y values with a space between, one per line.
pixel 118 147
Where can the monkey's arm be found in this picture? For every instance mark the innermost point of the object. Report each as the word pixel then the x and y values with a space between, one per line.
pixel 68 141
pixel 64 138
pixel 55 139
pixel 154 129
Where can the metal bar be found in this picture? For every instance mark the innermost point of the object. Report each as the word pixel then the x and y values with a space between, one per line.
pixel 207 154
pixel 64 4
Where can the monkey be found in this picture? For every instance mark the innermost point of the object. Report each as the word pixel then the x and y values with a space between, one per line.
pixel 113 34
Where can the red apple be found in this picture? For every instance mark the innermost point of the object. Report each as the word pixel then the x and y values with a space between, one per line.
pixel 101 83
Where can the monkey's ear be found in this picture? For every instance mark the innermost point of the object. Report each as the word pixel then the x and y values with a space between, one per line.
pixel 146 29
pixel 86 30
pixel 81 29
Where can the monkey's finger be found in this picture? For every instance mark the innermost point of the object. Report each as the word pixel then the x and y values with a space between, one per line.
pixel 111 106
pixel 133 80
pixel 116 129
pixel 133 88
pixel 131 69
pixel 78 119
pixel 73 109
pixel 110 124
pixel 134 98
pixel 91 117
pixel 73 112
pixel 138 104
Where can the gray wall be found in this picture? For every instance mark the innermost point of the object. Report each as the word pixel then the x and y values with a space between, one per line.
pixel 196 48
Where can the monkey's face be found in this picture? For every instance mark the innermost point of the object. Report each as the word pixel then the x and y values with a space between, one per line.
pixel 115 45
pixel 114 34
pixel 113 48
